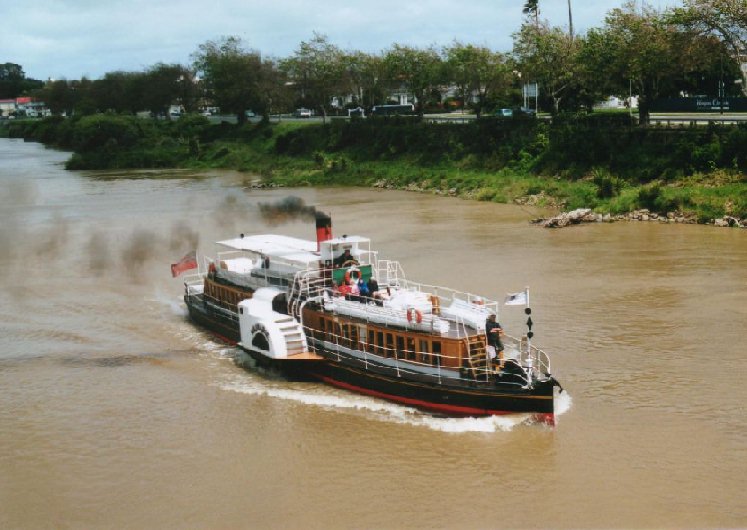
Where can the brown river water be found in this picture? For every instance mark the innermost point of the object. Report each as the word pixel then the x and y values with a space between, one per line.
pixel 115 412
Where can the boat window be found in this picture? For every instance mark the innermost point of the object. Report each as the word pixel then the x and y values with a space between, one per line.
pixel 400 347
pixel 354 336
pixel 389 351
pixel 411 348
pixel 380 343
pixel 338 332
pixel 436 349
pixel 424 352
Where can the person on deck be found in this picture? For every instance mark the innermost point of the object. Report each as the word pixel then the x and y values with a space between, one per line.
pixel 363 289
pixel 344 258
pixel 493 331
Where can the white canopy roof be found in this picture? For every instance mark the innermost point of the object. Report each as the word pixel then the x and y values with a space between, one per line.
pixel 273 245
pixel 347 239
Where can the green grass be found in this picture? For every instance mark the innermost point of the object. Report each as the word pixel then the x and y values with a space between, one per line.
pixel 567 166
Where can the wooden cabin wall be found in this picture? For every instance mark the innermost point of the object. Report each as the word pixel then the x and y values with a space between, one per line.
pixel 225 295
pixel 386 342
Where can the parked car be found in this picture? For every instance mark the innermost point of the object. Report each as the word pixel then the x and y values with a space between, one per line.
pixel 506 113
pixel 302 113
pixel 527 111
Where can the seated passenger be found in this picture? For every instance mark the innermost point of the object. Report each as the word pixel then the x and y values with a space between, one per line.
pixel 372 287
pixel 344 258
pixel 363 289
pixel 344 290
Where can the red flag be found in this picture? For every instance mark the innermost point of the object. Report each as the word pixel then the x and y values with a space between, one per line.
pixel 189 261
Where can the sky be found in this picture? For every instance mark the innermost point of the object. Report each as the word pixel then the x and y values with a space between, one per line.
pixel 71 39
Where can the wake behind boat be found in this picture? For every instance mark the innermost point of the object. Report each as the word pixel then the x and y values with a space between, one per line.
pixel 332 310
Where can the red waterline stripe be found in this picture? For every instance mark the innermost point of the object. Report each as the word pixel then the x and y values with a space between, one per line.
pixel 454 409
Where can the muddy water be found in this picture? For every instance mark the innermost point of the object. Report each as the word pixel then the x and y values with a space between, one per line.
pixel 115 412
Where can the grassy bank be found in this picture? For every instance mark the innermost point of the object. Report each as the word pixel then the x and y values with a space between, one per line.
pixel 602 162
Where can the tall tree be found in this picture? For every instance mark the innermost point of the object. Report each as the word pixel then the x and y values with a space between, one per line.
pixel 232 76
pixel 366 74
pixel 169 84
pixel 478 73
pixel 317 71
pixel 725 18
pixel 548 56
pixel 419 70
pixel 118 92
pixel 531 9
pixel 60 96
pixel 643 52
pixel 13 81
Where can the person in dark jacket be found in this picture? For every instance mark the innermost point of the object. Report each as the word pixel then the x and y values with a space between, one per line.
pixel 493 332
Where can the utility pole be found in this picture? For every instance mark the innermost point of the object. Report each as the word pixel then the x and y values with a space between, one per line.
pixel 570 20
pixel 721 86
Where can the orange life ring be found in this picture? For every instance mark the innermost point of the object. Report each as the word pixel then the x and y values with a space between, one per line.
pixel 349 275
pixel 418 315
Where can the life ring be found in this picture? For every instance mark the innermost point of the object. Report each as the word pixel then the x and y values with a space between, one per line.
pixel 349 275
pixel 350 263
pixel 418 315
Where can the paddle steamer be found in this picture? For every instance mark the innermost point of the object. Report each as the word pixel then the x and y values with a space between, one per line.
pixel 332 310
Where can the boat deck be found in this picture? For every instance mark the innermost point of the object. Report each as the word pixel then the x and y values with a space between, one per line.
pixel 457 330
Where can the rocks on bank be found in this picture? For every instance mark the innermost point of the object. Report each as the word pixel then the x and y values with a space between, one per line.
pixel 586 215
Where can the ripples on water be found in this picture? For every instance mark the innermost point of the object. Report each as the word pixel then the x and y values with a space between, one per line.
pixel 115 411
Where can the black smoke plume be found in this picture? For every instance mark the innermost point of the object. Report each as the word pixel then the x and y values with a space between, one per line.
pixel 287 210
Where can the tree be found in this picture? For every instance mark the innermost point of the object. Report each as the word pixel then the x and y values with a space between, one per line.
pixel 531 9
pixel 317 70
pixel 232 76
pixel 725 18
pixel 365 74
pixel 419 70
pixel 169 84
pixel 13 81
pixel 118 92
pixel 477 72
pixel 645 53
pixel 548 56
pixel 59 96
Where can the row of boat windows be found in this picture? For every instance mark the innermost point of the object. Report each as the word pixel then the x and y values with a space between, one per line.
pixel 380 342
pixel 224 295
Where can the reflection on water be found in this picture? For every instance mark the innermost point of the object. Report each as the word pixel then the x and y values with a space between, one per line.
pixel 116 411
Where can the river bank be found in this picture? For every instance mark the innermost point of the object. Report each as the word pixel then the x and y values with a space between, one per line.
pixel 605 165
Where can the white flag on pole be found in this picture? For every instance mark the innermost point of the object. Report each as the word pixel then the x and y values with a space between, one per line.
pixel 516 298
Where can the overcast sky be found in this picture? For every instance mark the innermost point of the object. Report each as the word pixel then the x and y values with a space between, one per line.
pixel 75 38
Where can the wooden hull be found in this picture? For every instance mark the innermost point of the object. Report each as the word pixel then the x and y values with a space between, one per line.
pixel 456 399
pixel 449 396
pixel 217 322
pixel 453 398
